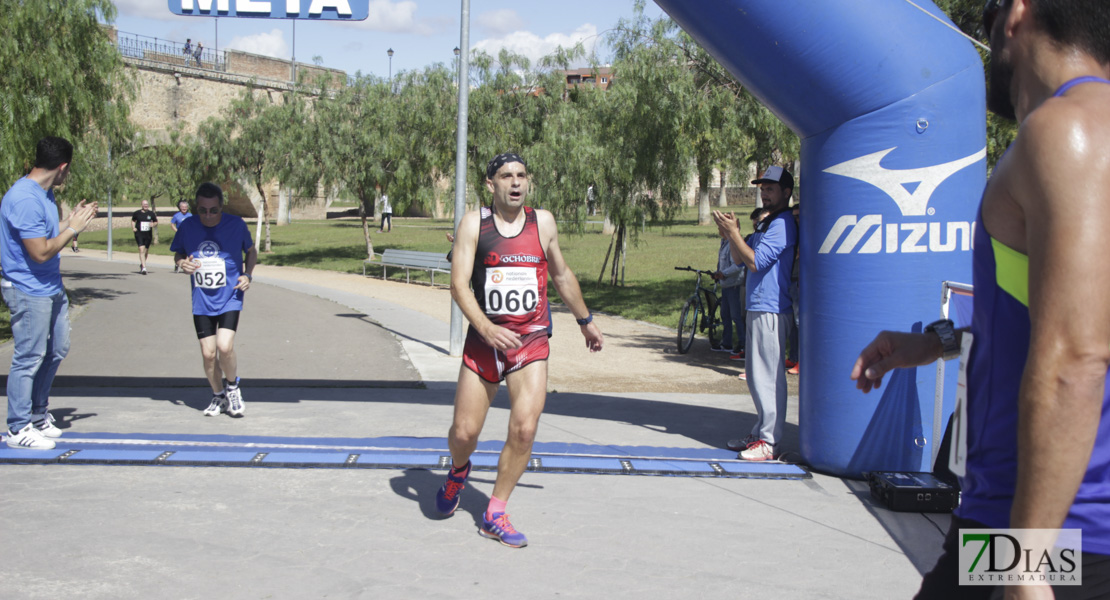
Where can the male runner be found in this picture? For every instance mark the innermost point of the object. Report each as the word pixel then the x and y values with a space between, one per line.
pixel 1036 431
pixel 175 221
pixel 210 249
pixel 143 222
pixel 506 253
pixel 30 239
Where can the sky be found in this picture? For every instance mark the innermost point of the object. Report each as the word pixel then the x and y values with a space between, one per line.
pixel 420 32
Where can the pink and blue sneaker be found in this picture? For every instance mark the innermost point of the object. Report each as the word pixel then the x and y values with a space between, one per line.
pixel 447 498
pixel 499 528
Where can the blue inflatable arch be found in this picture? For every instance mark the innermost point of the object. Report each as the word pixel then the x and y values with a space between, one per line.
pixel 889 104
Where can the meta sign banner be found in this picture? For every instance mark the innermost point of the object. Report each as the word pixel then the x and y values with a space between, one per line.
pixel 317 10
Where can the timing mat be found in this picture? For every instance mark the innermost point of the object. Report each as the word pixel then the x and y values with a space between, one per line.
pixel 389 453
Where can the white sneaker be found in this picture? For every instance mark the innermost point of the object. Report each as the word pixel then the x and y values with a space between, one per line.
pixel 235 407
pixel 759 450
pixel 217 407
pixel 29 438
pixel 46 427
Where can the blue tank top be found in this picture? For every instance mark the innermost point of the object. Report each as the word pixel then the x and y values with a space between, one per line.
pixel 1000 324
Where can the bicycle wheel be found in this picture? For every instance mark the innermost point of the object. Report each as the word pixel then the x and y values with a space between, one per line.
pixel 688 325
pixel 714 324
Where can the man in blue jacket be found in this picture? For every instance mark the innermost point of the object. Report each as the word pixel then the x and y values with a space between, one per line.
pixel 769 258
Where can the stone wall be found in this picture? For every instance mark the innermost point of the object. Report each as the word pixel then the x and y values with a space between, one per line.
pixel 174 94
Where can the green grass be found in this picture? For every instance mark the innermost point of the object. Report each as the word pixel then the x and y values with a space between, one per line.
pixel 653 290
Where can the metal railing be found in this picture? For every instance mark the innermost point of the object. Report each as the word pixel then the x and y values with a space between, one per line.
pixel 170 52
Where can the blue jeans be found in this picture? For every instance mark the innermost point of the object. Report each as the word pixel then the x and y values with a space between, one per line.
pixel 732 312
pixel 40 331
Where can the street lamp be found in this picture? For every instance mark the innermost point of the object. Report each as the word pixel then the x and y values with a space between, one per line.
pixel 390 53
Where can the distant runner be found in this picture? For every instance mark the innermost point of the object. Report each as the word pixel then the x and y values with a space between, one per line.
pixel 175 221
pixel 143 222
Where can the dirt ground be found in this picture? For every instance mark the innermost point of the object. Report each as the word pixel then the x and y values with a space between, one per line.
pixel 637 357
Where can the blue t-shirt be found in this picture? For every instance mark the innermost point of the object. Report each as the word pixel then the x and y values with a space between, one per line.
pixel 28 212
pixel 768 286
pixel 220 250
pixel 178 217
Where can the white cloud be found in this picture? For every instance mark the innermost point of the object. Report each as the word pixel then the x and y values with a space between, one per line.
pixel 147 9
pixel 535 47
pixel 394 17
pixel 267 44
pixel 499 22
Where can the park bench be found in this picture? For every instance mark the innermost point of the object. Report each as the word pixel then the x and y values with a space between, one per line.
pixel 432 262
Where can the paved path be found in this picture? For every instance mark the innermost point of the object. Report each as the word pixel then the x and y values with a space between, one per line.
pixel 349 366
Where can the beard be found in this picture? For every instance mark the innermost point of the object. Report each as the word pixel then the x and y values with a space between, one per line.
pixel 999 101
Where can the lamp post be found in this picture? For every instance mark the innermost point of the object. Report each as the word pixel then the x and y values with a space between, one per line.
pixel 460 158
pixel 390 53
pixel 457 52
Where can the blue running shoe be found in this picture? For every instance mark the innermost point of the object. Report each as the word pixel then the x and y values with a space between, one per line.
pixel 499 528
pixel 447 498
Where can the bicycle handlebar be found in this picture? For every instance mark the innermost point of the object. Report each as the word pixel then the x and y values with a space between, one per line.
pixel 693 270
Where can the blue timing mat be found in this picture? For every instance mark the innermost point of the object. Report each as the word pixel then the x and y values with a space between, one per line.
pixel 389 453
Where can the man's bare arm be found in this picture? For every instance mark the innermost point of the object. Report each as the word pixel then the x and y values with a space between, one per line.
pixel 42 249
pixel 462 267
pixel 564 280
pixel 1059 178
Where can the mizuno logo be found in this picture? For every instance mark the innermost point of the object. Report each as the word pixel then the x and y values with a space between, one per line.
pixel 899 237
pixel 910 189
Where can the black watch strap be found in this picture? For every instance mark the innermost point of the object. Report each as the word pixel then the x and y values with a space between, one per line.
pixel 946 331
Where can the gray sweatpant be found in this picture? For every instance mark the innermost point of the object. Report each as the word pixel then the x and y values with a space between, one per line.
pixel 766 339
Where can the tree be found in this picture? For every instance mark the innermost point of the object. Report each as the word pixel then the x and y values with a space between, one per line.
pixel 62 76
pixel 249 143
pixel 152 171
pixel 968 16
pixel 351 135
pixel 376 138
pixel 508 109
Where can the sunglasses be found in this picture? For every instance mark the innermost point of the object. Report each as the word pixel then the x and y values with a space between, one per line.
pixel 990 13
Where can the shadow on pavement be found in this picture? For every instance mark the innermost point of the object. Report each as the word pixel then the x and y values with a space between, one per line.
pixel 709 425
pixel 922 553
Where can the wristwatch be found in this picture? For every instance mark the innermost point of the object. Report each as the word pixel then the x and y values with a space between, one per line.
pixel 947 334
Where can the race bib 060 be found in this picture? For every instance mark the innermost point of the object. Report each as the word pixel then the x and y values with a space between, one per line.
pixel 511 291
pixel 212 274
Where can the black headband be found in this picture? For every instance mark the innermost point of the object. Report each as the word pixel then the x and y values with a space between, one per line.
pixel 501 160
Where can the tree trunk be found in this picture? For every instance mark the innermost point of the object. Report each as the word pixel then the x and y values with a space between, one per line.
pixel 605 262
pixel 362 213
pixel 153 229
pixel 613 274
pixel 284 214
pixel 608 228
pixel 262 217
pixel 705 216
pixel 722 200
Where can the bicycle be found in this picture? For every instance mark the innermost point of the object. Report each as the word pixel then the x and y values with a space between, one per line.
pixel 699 314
